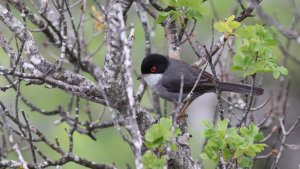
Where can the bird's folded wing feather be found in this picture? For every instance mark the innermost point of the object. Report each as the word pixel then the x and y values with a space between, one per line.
pixel 172 79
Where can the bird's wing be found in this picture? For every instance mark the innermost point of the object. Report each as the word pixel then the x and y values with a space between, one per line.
pixel 172 77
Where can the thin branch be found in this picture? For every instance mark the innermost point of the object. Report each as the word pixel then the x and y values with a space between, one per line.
pixel 29 138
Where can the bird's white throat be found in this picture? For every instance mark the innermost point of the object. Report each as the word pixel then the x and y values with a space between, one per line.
pixel 152 79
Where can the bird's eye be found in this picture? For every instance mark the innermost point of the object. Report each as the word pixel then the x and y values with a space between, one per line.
pixel 153 69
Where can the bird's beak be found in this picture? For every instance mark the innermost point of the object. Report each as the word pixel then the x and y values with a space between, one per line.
pixel 139 77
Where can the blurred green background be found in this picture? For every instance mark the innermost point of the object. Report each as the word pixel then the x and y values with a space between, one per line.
pixel 109 146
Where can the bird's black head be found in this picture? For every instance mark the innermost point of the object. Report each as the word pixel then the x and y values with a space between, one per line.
pixel 154 64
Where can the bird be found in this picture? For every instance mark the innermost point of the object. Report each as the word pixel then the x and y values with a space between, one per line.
pixel 164 76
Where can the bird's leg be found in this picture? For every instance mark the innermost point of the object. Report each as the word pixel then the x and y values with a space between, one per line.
pixel 182 114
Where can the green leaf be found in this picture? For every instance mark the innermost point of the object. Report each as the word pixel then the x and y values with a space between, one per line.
pixel 282 70
pixel 256 53
pixel 165 127
pixel 222 27
pixel 230 19
pixel 159 134
pixel 259 136
pixel 177 131
pixel 165 122
pixel 169 2
pixel 244 33
pixel 162 16
pixel 238 60
pixel 227 26
pixel 193 10
pixel 231 23
pixel 158 131
pixel 245 162
pixel 175 14
pixel 234 143
pixel 196 14
pixel 249 152
pixel 223 124
pixel 150 161
pixel 234 24
pixel 173 147
pixel 253 129
pixel 276 73
pixel 238 153
pixel 195 5
pixel 244 131
pixel 155 143
pixel 210 131
pixel 208 124
pixel 153 133
pixel 226 153
pixel 237 68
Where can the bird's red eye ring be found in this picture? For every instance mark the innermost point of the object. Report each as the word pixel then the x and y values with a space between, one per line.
pixel 153 69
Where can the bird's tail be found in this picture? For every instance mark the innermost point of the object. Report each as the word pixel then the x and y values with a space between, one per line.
pixel 240 88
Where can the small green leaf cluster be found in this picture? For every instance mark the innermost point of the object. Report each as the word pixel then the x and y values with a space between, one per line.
pixel 157 139
pixel 150 161
pixel 235 144
pixel 227 26
pixel 256 52
pixel 193 9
